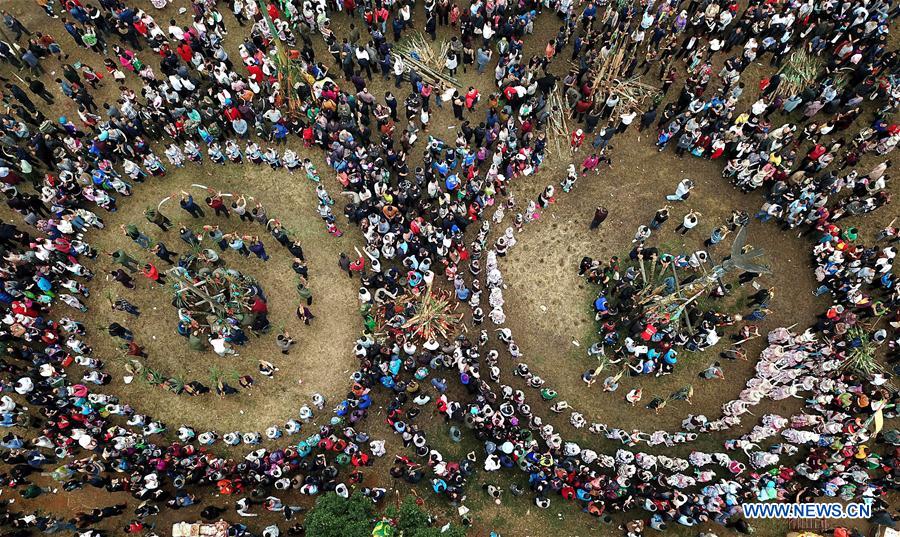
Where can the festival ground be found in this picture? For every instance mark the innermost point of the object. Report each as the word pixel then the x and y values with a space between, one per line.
pixel 548 304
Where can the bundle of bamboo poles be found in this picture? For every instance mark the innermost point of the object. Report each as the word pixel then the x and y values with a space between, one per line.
pixel 415 45
pixel 799 72
pixel 429 315
pixel 435 317
pixel 290 74
pixel 608 68
pixel 290 70
pixel 608 76
pixel 557 126
pixel 418 55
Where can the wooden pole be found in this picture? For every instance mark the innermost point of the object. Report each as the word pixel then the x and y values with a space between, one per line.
pixel 653 269
pixel 643 271
pixel 278 46
pixel 194 289
pixel 687 318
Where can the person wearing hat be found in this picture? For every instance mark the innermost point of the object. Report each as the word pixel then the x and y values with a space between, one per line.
pixel 576 139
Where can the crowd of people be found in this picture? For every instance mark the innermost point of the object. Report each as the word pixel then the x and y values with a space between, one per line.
pixel 422 205
pixel 655 322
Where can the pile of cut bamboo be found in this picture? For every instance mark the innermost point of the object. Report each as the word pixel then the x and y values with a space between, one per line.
pixel 608 76
pixel 213 299
pixel 415 45
pixel 418 54
pixel 429 315
pixel 799 72
pixel 557 126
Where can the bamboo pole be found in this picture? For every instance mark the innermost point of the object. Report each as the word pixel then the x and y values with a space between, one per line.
pixel 643 271
pixel 687 318
pixel 653 269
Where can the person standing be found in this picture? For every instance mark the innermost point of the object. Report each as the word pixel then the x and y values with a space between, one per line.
pixel 305 293
pixel 482 58
pixel 647 119
pixel 625 120
pixel 716 236
pixel 120 257
pixel 284 341
pixel 122 277
pixel 258 248
pixel 188 204
pixel 689 222
pixel 163 253
pixel 344 263
pixel 15 25
pixel 154 216
pixel 22 97
pixel 152 273
pixel 660 217
pixel 364 61
pixel 451 63
pixel 600 214
pixel 458 105
pixel 391 103
pixel 37 87
pixel 119 331
pixel 682 191
pixel 304 314
pixel 33 62
pixel 217 205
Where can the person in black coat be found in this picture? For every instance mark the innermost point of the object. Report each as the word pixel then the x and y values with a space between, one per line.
pixel 600 214
pixel 20 96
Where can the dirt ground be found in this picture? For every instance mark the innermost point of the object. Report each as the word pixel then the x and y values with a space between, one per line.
pixel 322 358
pixel 540 272
pixel 554 318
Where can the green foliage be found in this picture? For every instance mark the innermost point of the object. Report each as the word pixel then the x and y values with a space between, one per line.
pixel 413 521
pixel 412 518
pixel 861 354
pixel 333 516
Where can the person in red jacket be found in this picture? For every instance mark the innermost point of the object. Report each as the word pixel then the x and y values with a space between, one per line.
pixel 273 11
pixel 216 204
pixel 152 274
pixel 359 265
pixel 232 113
pixel 184 52
pixel 259 306
pixel 817 151
pixel 582 107
pixel 576 140
pixel 472 97
pixel 255 73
